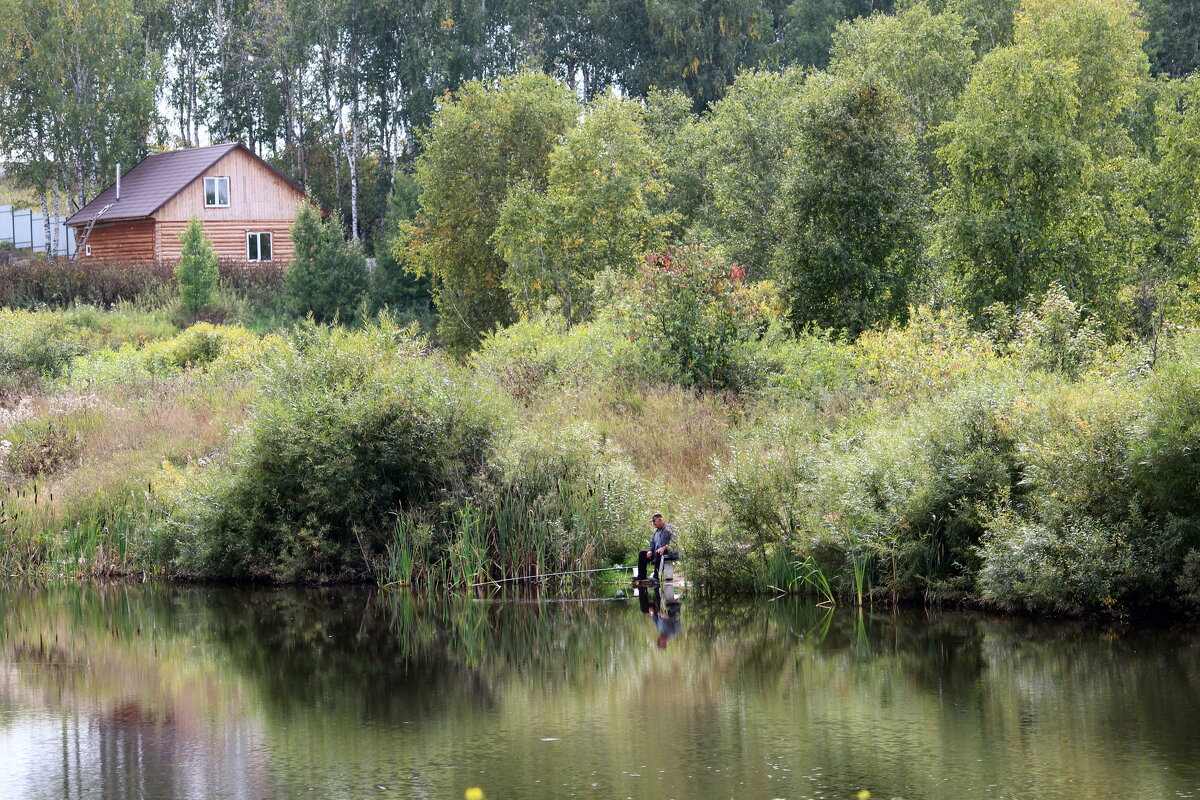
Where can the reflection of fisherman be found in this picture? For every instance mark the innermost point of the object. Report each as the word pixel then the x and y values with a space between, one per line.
pixel 667 621
pixel 659 541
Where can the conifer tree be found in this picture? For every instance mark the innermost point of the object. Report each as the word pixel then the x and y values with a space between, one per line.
pixel 196 271
pixel 327 276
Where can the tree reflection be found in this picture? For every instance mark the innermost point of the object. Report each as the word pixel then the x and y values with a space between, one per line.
pixel 218 692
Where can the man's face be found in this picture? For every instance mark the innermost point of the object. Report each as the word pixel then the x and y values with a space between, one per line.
pixel 658 522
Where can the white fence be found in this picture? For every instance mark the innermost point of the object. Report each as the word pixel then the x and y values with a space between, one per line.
pixel 27 228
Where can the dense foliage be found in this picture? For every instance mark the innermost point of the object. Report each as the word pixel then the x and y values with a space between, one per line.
pixel 916 325
pixel 327 276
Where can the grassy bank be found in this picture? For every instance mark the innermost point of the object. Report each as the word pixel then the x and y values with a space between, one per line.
pixel 1034 468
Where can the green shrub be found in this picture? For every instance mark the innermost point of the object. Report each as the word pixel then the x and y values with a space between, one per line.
pixel 199 345
pixel 930 356
pixel 541 353
pixel 1080 565
pixel 61 283
pixel 126 322
pixel 566 484
pixel 34 345
pixel 811 368
pixel 700 312
pixel 1088 532
pixel 196 347
pixel 1056 337
pixel 353 428
pixel 1165 452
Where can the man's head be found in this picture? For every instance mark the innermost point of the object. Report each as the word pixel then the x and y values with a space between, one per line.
pixel 662 642
pixel 657 520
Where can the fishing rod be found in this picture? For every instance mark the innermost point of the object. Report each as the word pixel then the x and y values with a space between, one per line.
pixel 546 575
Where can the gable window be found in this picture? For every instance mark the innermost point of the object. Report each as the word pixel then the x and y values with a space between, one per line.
pixel 258 246
pixel 216 192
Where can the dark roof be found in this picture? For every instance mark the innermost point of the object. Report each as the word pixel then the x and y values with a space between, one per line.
pixel 156 179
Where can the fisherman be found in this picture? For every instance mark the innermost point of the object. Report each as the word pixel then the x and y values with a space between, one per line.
pixel 659 546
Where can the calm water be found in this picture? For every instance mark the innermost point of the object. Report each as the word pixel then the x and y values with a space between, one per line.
pixel 152 692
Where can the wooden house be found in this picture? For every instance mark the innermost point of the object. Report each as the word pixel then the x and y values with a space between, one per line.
pixel 246 206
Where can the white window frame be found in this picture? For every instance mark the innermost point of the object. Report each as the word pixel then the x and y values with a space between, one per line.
pixel 216 184
pixel 87 249
pixel 270 245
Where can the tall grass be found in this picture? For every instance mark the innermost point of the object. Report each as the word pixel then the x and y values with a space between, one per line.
pixel 44 537
pixel 505 534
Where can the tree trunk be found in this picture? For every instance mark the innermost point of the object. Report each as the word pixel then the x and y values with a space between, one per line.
pixel 351 150
pixel 46 221
pixel 57 213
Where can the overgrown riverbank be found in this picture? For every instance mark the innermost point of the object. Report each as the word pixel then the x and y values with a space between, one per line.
pixel 1029 468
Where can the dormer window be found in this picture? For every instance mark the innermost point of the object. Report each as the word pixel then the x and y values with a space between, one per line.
pixel 216 192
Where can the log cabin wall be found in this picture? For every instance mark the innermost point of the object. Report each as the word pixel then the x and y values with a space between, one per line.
pixel 259 200
pixel 122 241
pixel 228 238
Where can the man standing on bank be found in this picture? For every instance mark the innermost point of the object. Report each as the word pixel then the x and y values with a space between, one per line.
pixel 659 541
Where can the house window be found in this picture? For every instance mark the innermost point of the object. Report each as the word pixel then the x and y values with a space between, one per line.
pixel 216 192
pixel 258 246
pixel 87 249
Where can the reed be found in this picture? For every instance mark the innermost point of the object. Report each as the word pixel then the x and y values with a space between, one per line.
pixel 810 575
pixel 546 525
pixel 44 537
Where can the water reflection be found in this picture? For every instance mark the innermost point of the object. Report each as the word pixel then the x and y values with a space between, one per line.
pixel 662 606
pixel 140 692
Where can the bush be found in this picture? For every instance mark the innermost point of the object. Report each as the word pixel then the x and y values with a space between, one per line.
pixel 1081 565
pixel 34 345
pixel 60 283
pixel 700 312
pixel 811 368
pixel 352 429
pixel 1056 337
pixel 197 347
pixel 541 352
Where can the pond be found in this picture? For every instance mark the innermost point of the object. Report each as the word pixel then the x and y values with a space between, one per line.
pixel 123 691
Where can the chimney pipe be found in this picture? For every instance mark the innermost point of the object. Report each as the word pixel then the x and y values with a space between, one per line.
pixel 118 181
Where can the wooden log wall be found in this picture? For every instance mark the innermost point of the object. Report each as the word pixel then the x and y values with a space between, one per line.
pixel 121 241
pixel 228 238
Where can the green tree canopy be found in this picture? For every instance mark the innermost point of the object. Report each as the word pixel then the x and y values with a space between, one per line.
pixel 1015 169
pixel 596 213
pixel 77 83
pixel 1177 176
pixel 745 143
pixel 926 56
pixel 484 140
pixel 1103 39
pixel 392 285
pixel 852 204
pixel 1045 184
